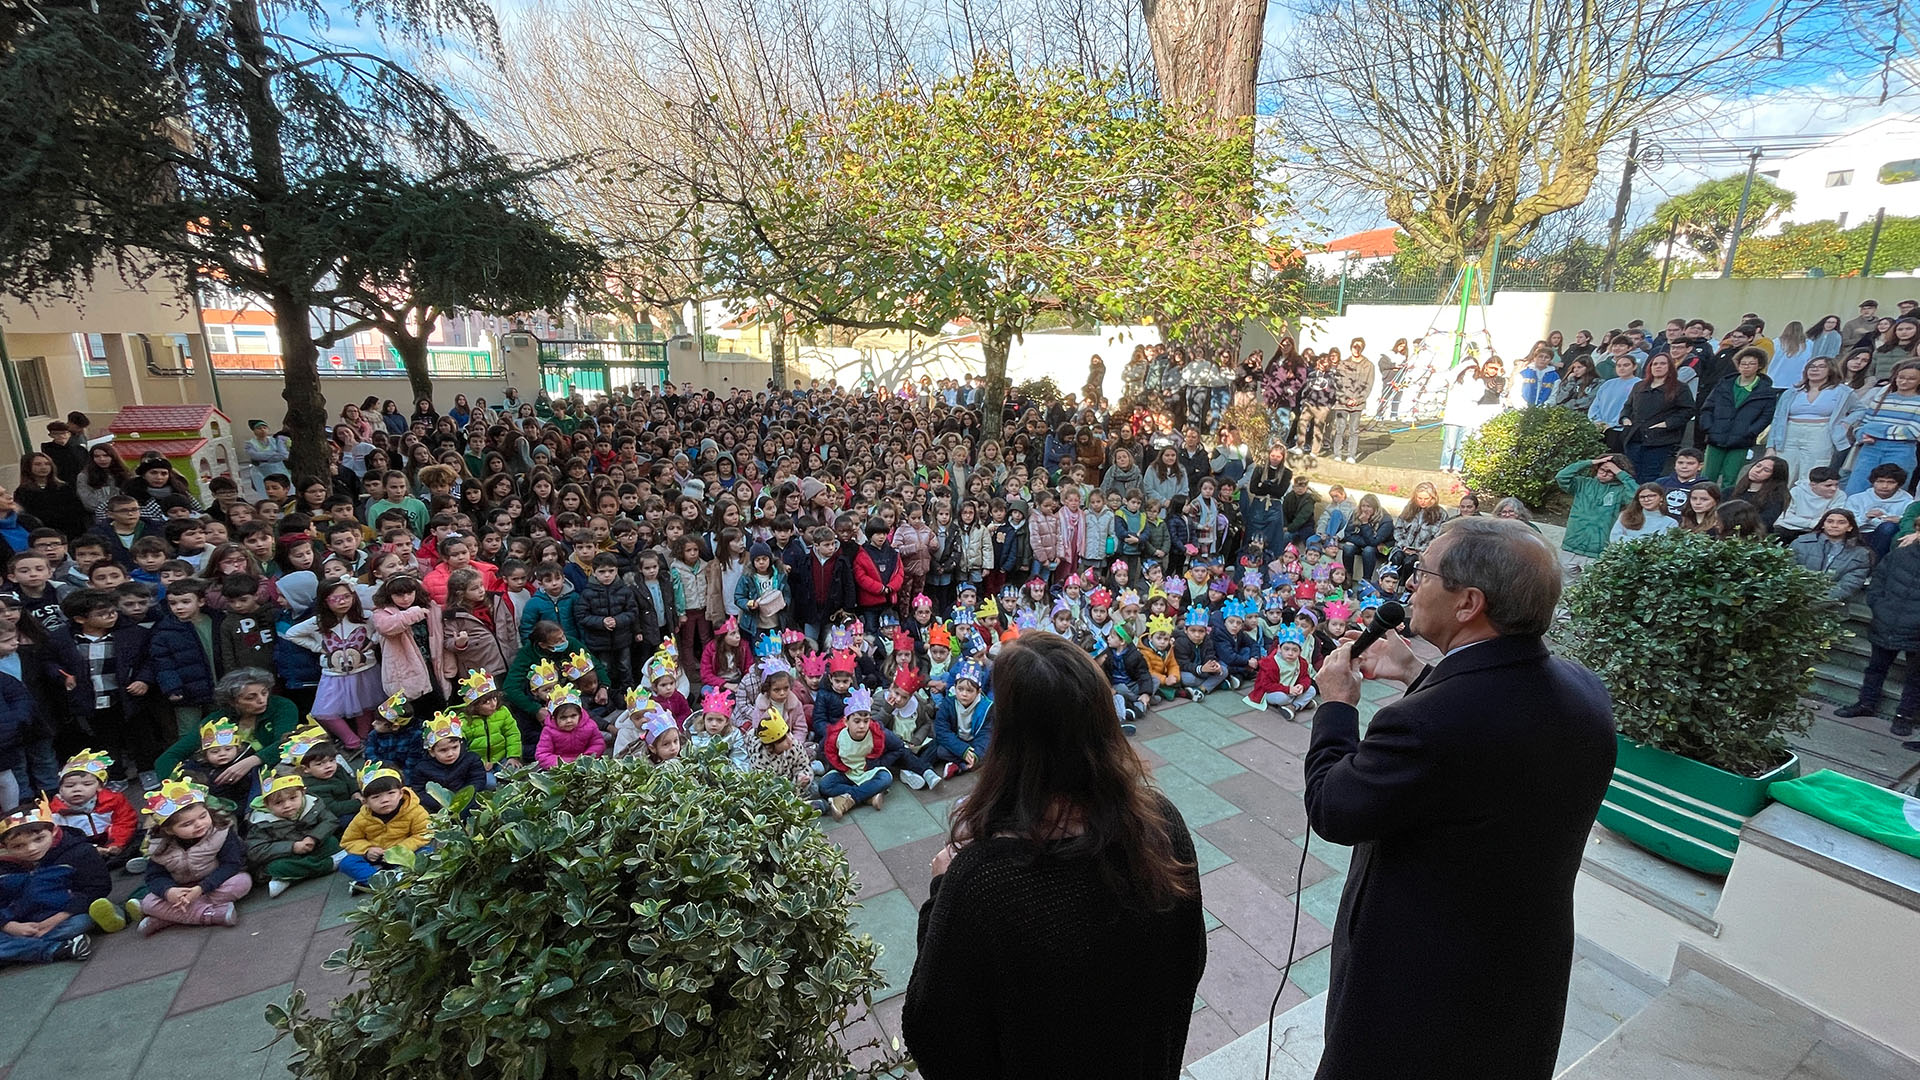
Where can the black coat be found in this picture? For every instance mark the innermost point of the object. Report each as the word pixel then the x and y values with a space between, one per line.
pixel 1657 421
pixel 1468 806
pixel 1738 427
pixel 1894 596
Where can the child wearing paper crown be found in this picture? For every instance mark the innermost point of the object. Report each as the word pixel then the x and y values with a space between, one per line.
pixel 727 657
pixel 830 700
pixel 1201 672
pixel 776 752
pixel 196 862
pixel 1283 678
pixel 393 740
pixel 392 818
pixel 221 744
pixel 663 740
pixel 715 725
pixel 489 728
pixel 629 728
pixel 852 750
pixel 660 675
pixel 326 775
pixel 1158 653
pixel 51 880
pixel 290 834
pixel 963 724
pixel 447 762
pixel 88 807
pixel 565 731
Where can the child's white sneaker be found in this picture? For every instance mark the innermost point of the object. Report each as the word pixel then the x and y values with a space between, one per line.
pixel 915 781
pixel 276 887
pixel 932 778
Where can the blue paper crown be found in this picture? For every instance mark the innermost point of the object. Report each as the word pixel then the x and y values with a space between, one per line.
pixel 1289 634
pixel 1196 616
pixel 971 672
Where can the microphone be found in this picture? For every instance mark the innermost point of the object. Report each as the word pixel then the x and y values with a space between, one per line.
pixel 1387 617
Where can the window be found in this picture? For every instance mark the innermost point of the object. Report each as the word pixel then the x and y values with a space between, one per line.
pixel 1841 220
pixel 36 390
pixel 93 355
pixel 250 341
pixel 219 339
pixel 1840 178
pixel 1900 172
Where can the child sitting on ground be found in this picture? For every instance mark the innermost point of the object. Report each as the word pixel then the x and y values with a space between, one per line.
pixel 447 762
pixel 88 807
pixel 196 863
pixel 716 726
pixel 1162 664
pixel 327 777
pixel 392 818
pixel 221 744
pixel 1283 678
pixel 51 881
pixel 852 750
pixel 963 725
pixel 663 740
pixel 489 728
pixel 565 733
pixel 1201 671
pixel 777 753
pixel 290 835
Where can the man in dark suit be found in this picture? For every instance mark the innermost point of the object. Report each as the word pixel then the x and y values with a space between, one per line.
pixel 1468 806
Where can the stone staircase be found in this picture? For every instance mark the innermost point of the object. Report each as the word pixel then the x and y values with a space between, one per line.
pixel 1837 679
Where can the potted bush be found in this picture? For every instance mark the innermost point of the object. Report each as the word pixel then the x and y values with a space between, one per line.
pixel 604 919
pixel 1518 452
pixel 1707 647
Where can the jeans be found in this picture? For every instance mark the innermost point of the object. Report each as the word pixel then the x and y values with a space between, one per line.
pixel 1298 701
pixel 897 758
pixel 1369 556
pixel 1650 463
pixel 360 868
pixel 1874 453
pixel 1875 677
pixel 201 911
pixel 40 950
pixel 1453 436
pixel 1879 537
pixel 836 783
pixel 1206 684
pixel 1313 427
pixel 1346 432
pixel 9 789
pixel 39 770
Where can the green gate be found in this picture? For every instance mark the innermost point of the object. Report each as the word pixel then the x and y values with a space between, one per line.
pixel 591 367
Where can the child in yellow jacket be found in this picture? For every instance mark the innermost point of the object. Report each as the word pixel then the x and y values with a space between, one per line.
pixel 1157 650
pixel 391 818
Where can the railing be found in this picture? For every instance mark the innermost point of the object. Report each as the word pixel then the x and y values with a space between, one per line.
pixel 442 363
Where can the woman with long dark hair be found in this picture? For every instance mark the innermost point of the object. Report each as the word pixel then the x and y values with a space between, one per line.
pixel 44 495
pixel 1062 934
pixel 1655 416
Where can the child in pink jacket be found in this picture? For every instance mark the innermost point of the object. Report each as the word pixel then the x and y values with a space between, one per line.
pixel 565 731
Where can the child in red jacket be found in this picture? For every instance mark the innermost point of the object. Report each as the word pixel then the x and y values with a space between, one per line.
pixel 1282 677
pixel 89 808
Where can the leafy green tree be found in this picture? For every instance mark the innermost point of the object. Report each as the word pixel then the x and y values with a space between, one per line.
pixel 993 196
pixel 231 142
pixel 1705 214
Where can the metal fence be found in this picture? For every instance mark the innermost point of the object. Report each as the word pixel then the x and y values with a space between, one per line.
pixel 443 362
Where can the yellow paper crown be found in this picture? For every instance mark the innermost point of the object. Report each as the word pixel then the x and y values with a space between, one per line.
pixel 92 762
pixel 374 770
pixel 478 684
pixel 578 666
pixel 1159 624
pixel 543 675
pixel 635 696
pixel 396 711
pixel 564 694
pixel 444 725
pixel 773 727
pixel 300 743
pixel 174 796
pixel 988 609
pixel 282 782
pixel 38 813
pixel 220 732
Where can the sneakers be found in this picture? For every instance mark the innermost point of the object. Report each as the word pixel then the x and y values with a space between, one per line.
pixel 1128 730
pixel 150 926
pixel 1198 695
pixel 1857 709
pixel 932 778
pixel 1901 727
pixel 952 770
pixel 74 948
pixel 106 916
pixel 879 800
pixel 1258 706
pixel 224 915
pixel 916 781
pixel 819 768
pixel 135 912
pixel 839 805
pixel 1234 683
pixel 137 864
pixel 338 858
pixel 276 886
pixel 1287 713
pixel 149 781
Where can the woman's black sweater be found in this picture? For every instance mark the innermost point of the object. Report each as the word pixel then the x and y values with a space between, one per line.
pixel 1034 968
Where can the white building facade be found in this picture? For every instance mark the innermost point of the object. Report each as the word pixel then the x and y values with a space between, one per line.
pixel 1851 178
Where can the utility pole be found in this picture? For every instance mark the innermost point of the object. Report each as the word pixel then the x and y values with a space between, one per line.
pixel 1620 211
pixel 1740 216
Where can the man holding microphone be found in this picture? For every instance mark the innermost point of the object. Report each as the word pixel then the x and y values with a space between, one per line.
pixel 1468 806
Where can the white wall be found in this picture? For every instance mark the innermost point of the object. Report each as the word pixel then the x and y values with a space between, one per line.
pixel 1864 152
pixel 1059 354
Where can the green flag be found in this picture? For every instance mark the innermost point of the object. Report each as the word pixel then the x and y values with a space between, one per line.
pixel 1886 817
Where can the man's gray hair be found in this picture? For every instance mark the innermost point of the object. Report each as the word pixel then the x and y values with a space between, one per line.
pixel 1510 564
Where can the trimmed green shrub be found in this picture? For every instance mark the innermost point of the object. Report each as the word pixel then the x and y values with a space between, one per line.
pixel 1518 452
pixel 604 919
pixel 1706 645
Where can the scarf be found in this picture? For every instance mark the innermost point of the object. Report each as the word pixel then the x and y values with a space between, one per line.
pixel 855 753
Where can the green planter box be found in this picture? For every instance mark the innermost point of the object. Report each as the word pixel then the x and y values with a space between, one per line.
pixel 1682 810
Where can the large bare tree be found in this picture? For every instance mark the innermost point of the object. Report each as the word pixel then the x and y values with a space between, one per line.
pixel 1476 120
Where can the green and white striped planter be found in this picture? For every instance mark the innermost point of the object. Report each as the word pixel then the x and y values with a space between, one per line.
pixel 1682 810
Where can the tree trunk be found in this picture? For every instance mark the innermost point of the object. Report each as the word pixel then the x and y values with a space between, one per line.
pixel 777 352
pixel 1206 53
pixel 306 405
pixel 413 356
pixel 996 343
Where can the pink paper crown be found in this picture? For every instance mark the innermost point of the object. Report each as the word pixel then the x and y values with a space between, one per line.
pixel 813 665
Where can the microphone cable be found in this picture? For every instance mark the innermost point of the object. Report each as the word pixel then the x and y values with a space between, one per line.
pixel 1292 941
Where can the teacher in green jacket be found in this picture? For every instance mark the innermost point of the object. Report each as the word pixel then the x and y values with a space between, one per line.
pixel 244 696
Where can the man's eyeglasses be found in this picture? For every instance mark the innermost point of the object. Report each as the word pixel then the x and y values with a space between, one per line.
pixel 1415 572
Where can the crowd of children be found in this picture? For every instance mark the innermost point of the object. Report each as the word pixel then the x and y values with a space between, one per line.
pixel 271 689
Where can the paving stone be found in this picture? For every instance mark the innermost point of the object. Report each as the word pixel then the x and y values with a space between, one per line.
pixel 1310 973
pixel 31 991
pixel 1157 722
pixel 907 864
pixel 245 959
pixel 1265 801
pixel 1195 758
pixel 117 1025
pixel 1261 915
pixel 1209 920
pixel 870 874
pixel 1265 852
pixel 1206 1032
pixel 1197 802
pixel 224 1040
pixel 1322 899
pixel 1285 769
pixel 1211 727
pixel 340 900
pixel 1146 755
pixel 1208 856
pixel 126 957
pixel 1293 738
pixel 1239 983
pixel 895 923
pixel 898 821
pixel 324 987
